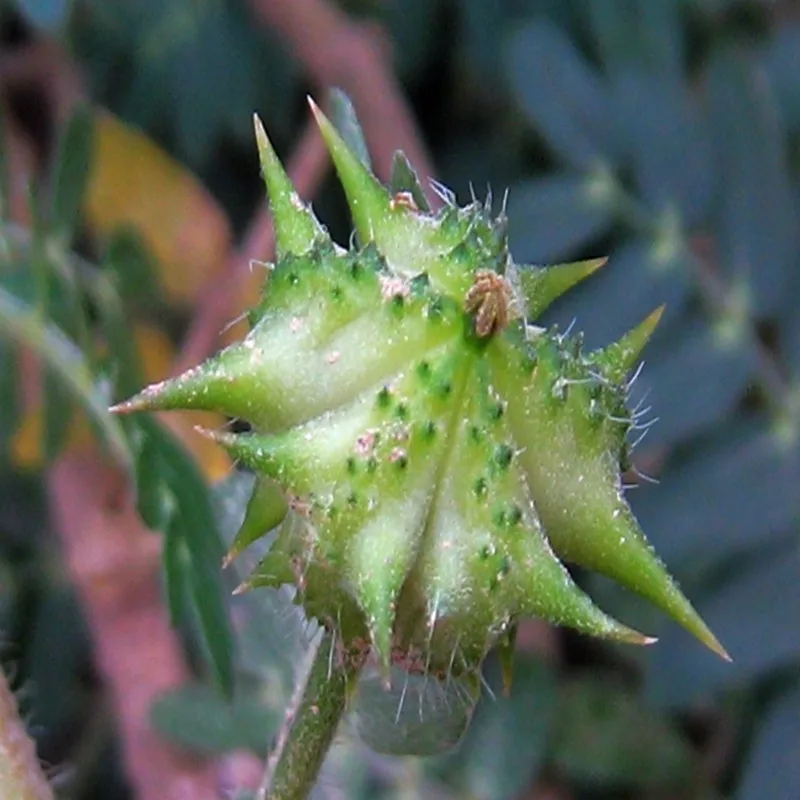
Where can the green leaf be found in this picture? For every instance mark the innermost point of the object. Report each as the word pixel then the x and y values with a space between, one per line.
pixel 4 187
pixel 56 626
pixel 132 268
pixel 174 561
pixel 756 220
pixel 155 501
pixel 667 141
pixel 504 747
pixel 604 737
pixel 122 356
pixel 755 613
pixel 562 96
pixel 273 633
pixel 70 174
pixel 640 276
pixel 413 30
pixel 780 66
pixel 550 218
pixel 204 588
pixel 343 116
pixel 790 340
pixel 684 405
pixel 738 491
pixel 772 765
pixel 9 396
pixel 638 34
pixel 404 179
pixel 193 522
pixel 418 716
pixel 23 326
pixel 47 14
pixel 57 414
pixel 198 718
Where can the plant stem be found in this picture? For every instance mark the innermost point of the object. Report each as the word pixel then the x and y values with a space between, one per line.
pixel 311 721
pixel 21 775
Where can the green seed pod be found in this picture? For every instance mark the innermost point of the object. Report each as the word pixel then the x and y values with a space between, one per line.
pixel 429 454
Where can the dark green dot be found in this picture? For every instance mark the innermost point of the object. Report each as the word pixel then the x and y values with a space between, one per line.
pixel 505 566
pixel 293 278
pixel 496 411
pixel 499 517
pixel 487 551
pixel 529 363
pixel 514 515
pixel 351 465
pixel 356 269
pixel 401 462
pixel 401 410
pixel 424 369
pixel 429 429
pixel 503 455
pixel 384 397
pixel 475 433
pixel 480 486
pixel 398 302
pixel 336 292
pixel 419 283
pixel 445 388
pixel 435 308
pixel 352 499
pixel 372 464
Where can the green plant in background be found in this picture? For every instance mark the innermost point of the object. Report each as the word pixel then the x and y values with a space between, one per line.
pixel 436 452
pixel 663 134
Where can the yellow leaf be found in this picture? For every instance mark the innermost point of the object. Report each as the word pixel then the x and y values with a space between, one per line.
pixel 25 445
pixel 134 183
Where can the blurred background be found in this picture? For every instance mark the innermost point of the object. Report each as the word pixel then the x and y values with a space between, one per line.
pixel 662 133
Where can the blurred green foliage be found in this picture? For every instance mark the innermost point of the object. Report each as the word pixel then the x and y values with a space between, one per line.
pixel 664 134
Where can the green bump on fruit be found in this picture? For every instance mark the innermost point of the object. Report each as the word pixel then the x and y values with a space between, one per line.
pixel 429 455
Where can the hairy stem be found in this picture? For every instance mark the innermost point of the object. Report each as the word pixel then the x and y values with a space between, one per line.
pixel 21 775
pixel 311 721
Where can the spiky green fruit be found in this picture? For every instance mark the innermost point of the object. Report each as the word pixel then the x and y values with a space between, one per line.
pixel 437 454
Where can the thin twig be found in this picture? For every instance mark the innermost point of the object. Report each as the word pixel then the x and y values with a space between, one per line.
pixel 312 719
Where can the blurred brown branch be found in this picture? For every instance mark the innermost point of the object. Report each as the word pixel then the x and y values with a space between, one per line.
pixel 114 563
pixel 354 56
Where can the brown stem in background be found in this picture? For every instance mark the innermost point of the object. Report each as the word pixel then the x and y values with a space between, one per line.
pixel 336 51
pixel 113 561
